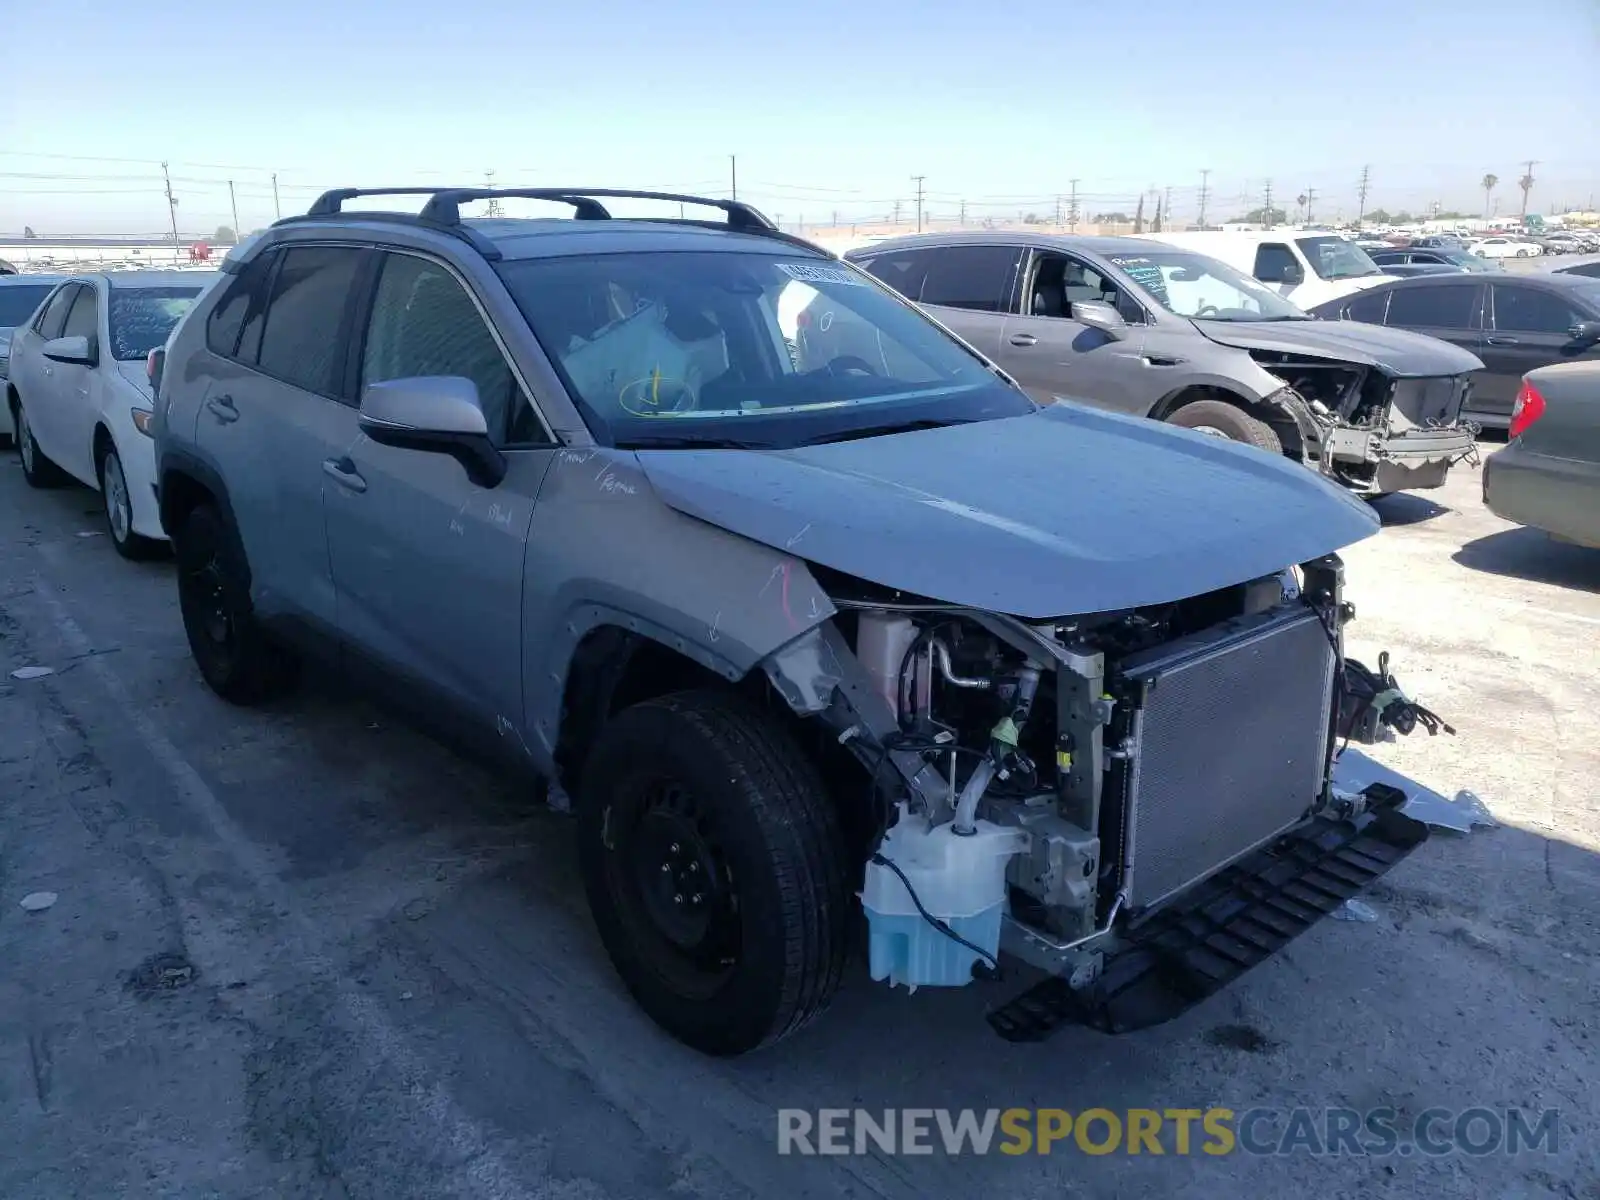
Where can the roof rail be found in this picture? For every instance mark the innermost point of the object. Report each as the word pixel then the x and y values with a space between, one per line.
pixel 443 210
pixel 445 207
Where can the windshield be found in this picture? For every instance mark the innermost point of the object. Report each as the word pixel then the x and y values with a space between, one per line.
pixel 697 348
pixel 141 318
pixel 1335 258
pixel 1192 285
pixel 17 303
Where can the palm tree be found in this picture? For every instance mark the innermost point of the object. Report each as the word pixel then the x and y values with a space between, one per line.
pixel 1526 184
pixel 1301 201
pixel 1488 185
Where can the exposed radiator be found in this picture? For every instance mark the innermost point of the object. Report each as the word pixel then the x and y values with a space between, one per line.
pixel 1230 746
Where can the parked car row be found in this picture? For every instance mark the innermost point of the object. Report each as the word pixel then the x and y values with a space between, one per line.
pixel 798 597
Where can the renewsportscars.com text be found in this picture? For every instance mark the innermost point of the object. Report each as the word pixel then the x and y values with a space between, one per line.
pixel 1374 1132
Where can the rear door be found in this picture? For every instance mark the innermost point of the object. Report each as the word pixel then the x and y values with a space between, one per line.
pixel 1527 327
pixel 967 288
pixel 33 375
pixel 428 564
pixel 285 408
pixel 1051 353
pixel 1449 308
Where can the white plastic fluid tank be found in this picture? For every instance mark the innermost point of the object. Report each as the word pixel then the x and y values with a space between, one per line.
pixel 959 879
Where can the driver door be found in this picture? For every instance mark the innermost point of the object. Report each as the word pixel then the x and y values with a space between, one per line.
pixel 427 565
pixel 1051 354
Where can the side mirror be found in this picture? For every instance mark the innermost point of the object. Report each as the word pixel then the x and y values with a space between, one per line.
pixel 1097 314
pixel 155 364
pixel 1587 332
pixel 76 351
pixel 436 413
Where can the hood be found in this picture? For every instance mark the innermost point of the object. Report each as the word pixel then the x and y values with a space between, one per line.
pixel 1065 511
pixel 1398 351
pixel 134 373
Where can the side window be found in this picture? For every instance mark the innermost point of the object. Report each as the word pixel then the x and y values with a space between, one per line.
pixel 1275 263
pixel 54 314
pixel 904 272
pixel 425 323
pixel 245 297
pixel 302 342
pixel 1528 310
pixel 83 320
pixel 1435 307
pixel 1369 308
pixel 1060 281
pixel 972 277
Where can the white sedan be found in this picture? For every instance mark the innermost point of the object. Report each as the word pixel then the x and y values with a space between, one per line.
pixel 1505 247
pixel 80 394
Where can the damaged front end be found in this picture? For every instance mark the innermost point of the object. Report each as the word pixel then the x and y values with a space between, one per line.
pixel 1141 803
pixel 1374 431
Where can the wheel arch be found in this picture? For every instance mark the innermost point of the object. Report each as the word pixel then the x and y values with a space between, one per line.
pixel 185 482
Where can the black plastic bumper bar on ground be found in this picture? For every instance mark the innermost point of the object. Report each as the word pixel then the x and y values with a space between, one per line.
pixel 1239 918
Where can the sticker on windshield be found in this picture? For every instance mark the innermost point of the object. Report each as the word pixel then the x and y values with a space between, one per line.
pixel 813 273
pixel 1146 274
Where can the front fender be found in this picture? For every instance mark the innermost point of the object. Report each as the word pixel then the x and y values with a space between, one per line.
pixel 605 550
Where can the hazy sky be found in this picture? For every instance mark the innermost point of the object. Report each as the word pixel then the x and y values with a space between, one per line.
pixel 829 105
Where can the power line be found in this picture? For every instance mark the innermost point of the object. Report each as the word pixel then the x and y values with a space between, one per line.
pixel 172 204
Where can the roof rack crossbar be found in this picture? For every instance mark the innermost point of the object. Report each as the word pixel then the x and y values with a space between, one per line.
pixel 332 202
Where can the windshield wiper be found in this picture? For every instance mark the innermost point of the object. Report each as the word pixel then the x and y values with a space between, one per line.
pixel 872 431
pixel 667 441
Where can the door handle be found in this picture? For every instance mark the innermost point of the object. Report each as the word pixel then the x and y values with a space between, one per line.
pixel 1501 341
pixel 343 472
pixel 1023 339
pixel 222 408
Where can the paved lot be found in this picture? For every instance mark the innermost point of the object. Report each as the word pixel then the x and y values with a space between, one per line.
pixel 309 953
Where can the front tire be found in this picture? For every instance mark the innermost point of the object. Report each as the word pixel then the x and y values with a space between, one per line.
pixel 38 468
pixel 1221 419
pixel 118 505
pixel 715 870
pixel 235 656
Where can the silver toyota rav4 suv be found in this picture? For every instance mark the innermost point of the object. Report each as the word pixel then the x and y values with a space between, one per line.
pixel 833 651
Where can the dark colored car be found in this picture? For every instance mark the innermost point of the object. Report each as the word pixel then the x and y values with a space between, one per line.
pixel 20 296
pixel 1587 264
pixel 1548 477
pixel 1446 258
pixel 1515 324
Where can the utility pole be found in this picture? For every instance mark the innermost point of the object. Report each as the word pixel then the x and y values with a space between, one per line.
pixel 733 173
pixel 1058 212
pixel 1311 198
pixel 1361 192
pixel 276 210
pixel 1072 207
pixel 1205 194
pixel 172 206
pixel 963 212
pixel 494 202
pixel 835 222
pixel 1166 209
pixel 234 204
pixel 1266 211
pixel 919 180
pixel 897 212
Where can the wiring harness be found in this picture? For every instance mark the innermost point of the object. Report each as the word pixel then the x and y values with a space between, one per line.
pixel 1372 700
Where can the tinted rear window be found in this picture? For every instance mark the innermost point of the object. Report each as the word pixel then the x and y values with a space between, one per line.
pixel 17 304
pixel 1433 307
pixel 303 342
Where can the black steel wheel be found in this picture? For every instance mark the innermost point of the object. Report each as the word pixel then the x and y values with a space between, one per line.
pixel 235 657
pixel 715 869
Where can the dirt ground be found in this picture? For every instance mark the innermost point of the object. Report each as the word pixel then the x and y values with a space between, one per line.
pixel 308 952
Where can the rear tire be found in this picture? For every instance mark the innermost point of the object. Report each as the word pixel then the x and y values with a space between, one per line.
pixel 715 870
pixel 236 658
pixel 118 506
pixel 1222 419
pixel 38 468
